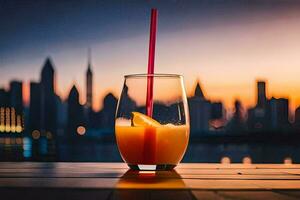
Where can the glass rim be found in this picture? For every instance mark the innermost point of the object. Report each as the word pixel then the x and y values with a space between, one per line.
pixel 159 75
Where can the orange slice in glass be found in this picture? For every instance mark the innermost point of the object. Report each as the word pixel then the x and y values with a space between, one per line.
pixel 139 119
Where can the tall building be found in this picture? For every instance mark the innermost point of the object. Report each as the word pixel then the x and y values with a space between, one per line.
pixel 297 119
pixel 75 119
pixel 237 123
pixel 48 76
pixel 48 98
pixel 89 83
pixel 35 107
pixel 261 94
pixel 4 98
pixel 62 114
pixel 259 116
pixel 16 96
pixel 4 104
pixel 297 115
pixel 108 112
pixel 200 111
pixel 279 113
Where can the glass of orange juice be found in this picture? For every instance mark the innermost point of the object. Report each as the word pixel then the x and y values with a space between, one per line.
pixel 160 141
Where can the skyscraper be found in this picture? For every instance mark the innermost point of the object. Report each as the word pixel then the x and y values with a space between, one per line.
pixel 89 84
pixel 4 103
pixel 75 113
pixel 261 94
pixel 16 96
pixel 279 113
pixel 47 76
pixel 259 117
pixel 237 123
pixel 4 98
pixel 35 107
pixel 48 98
pixel 108 111
pixel 200 111
pixel 297 119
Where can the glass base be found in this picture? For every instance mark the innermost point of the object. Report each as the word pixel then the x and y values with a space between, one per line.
pixel 152 167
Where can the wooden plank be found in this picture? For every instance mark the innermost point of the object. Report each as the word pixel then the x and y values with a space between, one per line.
pixel 254 195
pixel 130 195
pixel 11 165
pixel 99 194
pixel 96 169
pixel 236 166
pixel 84 183
pixel 291 193
pixel 112 183
pixel 232 171
pixel 116 175
pixel 242 177
pixel 206 195
pixel 53 194
pixel 171 195
pixel 42 165
pixel 133 194
pixel 162 176
pixel 281 184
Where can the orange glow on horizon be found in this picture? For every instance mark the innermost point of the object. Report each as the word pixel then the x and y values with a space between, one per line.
pixel 226 93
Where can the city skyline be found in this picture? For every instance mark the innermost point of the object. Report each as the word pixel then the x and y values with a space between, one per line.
pixel 227 46
pixel 87 94
pixel 49 120
pixel 88 75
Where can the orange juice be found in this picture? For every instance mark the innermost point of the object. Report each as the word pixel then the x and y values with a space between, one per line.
pixel 148 142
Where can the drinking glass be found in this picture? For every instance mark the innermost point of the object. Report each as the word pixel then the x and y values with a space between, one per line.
pixel 156 142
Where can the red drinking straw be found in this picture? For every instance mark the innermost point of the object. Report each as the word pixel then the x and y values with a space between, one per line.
pixel 149 99
pixel 150 132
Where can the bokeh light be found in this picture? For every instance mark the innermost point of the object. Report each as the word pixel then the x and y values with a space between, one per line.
pixel 81 130
pixel 225 160
pixel 36 134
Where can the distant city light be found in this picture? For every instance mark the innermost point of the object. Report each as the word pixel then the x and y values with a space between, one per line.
pixel 10 121
pixel 7 128
pixel 27 147
pixel 19 124
pixel 225 160
pixel 7 141
pixel 81 130
pixel 36 134
pixel 2 128
pixel 247 160
pixel 19 140
pixel 2 122
pixel 18 129
pixel 288 161
pixel 13 120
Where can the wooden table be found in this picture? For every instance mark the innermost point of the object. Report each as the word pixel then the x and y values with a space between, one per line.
pixel 28 180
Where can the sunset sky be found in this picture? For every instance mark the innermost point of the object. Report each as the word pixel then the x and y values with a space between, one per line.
pixel 227 45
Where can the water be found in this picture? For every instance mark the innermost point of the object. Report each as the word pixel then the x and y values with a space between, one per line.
pixel 241 153
pixel 26 149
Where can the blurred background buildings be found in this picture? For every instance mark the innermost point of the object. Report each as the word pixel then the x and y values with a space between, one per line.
pixel 239 59
pixel 50 122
